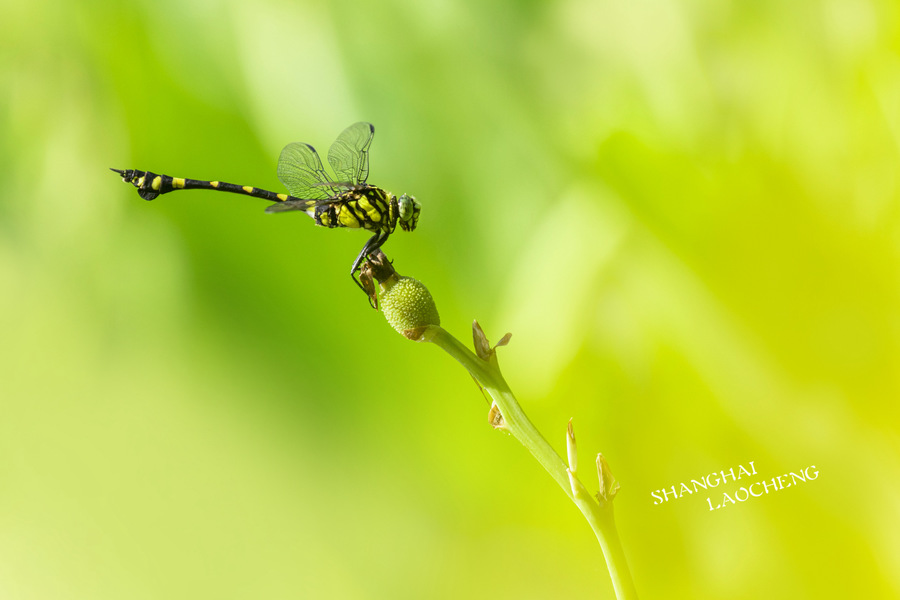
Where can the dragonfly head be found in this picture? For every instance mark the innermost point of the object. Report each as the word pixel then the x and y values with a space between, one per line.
pixel 408 208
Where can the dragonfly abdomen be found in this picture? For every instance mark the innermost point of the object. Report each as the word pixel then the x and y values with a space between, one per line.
pixel 150 185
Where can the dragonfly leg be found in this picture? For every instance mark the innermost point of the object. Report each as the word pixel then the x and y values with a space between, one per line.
pixel 375 242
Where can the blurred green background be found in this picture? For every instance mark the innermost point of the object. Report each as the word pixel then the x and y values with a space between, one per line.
pixel 685 211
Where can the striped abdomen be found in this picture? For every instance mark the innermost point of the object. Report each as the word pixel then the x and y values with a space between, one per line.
pixel 150 185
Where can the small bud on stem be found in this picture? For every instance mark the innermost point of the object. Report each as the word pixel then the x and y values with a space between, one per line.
pixel 406 302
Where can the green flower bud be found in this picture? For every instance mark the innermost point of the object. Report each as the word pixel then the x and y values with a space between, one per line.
pixel 408 306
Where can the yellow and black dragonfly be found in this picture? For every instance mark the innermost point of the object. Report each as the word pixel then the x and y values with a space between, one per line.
pixel 342 201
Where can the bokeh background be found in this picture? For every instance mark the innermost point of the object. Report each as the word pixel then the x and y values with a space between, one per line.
pixel 686 212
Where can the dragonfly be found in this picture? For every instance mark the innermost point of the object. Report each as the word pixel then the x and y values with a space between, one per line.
pixel 344 200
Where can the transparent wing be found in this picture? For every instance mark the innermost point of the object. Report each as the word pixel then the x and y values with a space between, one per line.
pixel 300 170
pixel 349 154
pixel 305 205
pixel 289 205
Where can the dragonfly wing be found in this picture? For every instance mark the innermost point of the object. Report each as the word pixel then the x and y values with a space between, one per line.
pixel 300 170
pixel 349 154
pixel 289 205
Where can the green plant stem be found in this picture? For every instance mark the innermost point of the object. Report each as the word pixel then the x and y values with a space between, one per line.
pixel 599 515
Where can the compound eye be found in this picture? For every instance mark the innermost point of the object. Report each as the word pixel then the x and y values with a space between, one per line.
pixel 405 204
